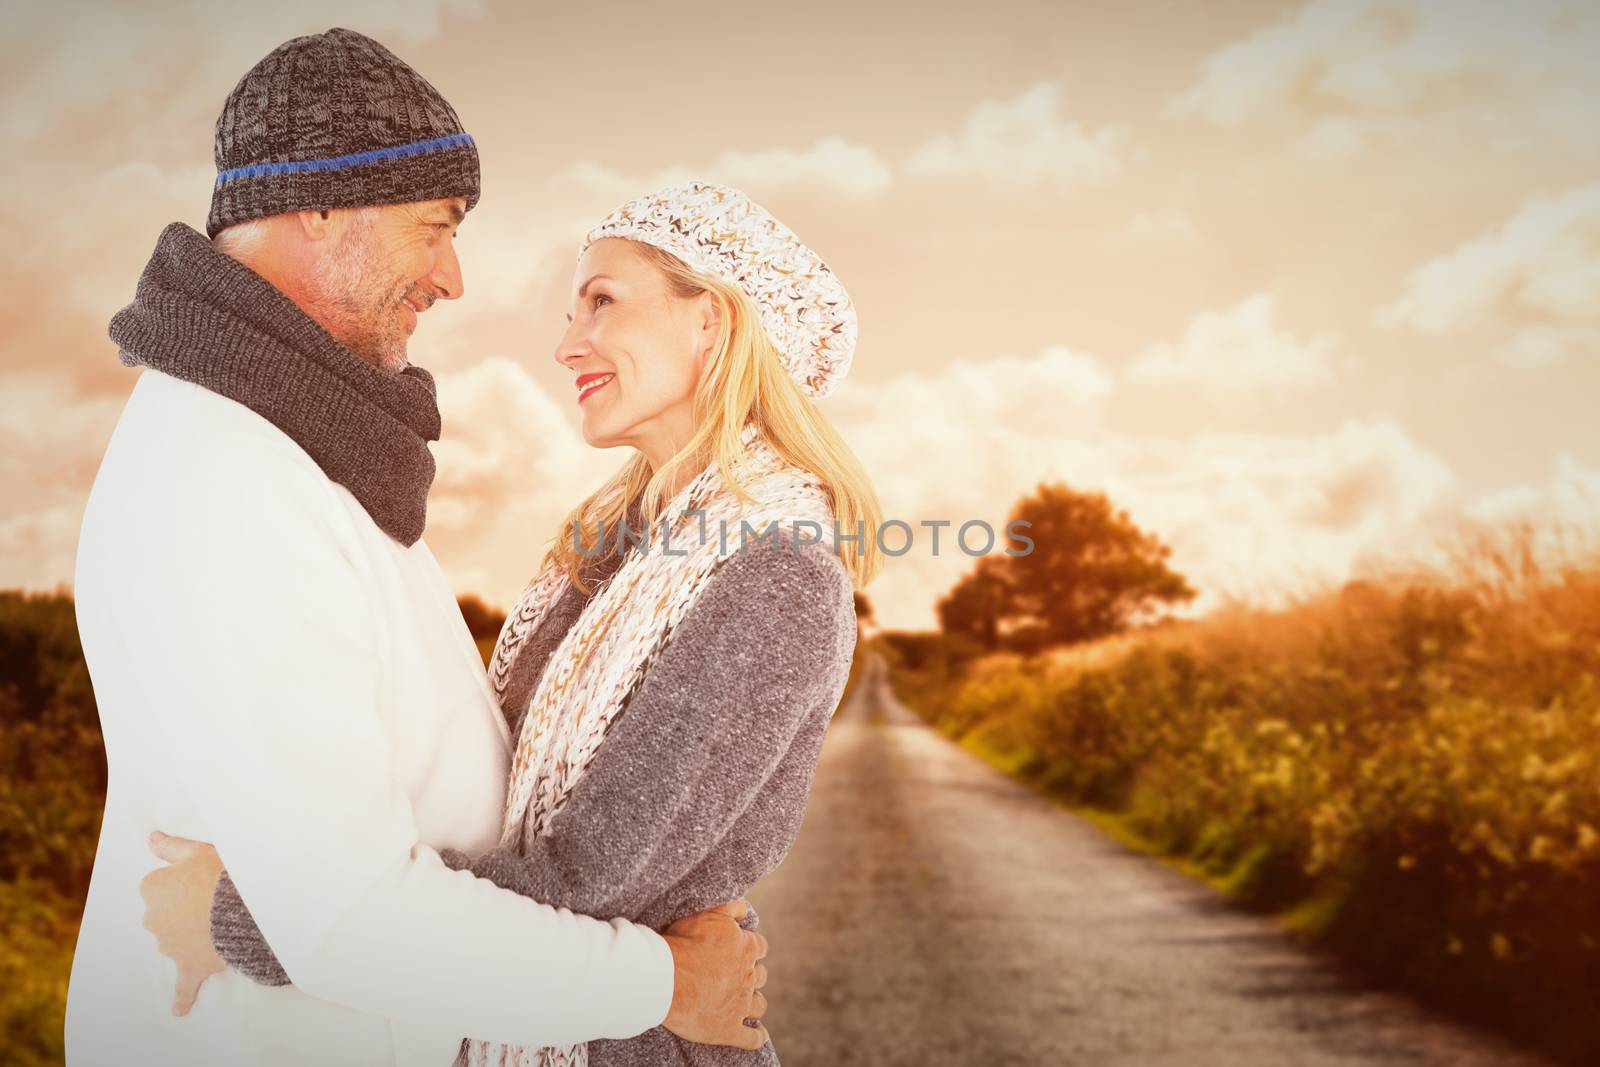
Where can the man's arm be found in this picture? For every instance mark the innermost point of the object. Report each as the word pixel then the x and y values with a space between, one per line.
pixel 265 682
pixel 239 944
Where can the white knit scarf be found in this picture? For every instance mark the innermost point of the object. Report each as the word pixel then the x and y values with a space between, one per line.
pixel 596 666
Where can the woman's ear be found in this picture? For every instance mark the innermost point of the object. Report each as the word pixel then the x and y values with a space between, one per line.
pixel 708 320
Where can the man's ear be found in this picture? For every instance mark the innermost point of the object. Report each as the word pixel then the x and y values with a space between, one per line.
pixel 316 225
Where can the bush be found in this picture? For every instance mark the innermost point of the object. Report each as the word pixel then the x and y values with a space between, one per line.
pixel 1407 762
pixel 52 792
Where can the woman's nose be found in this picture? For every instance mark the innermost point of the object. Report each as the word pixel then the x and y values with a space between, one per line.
pixel 572 346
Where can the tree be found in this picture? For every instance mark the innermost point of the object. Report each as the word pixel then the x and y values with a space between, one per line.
pixel 976 605
pixel 1090 573
pixel 863 608
pixel 482 620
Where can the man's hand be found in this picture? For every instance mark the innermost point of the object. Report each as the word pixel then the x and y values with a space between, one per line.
pixel 718 975
pixel 177 909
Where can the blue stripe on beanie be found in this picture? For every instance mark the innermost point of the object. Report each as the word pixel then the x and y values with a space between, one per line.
pixel 358 159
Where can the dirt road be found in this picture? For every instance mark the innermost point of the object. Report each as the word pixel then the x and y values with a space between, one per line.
pixel 935 912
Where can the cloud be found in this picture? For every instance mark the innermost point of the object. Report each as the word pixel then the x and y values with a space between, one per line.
pixel 910 420
pixel 1025 140
pixel 1242 348
pixel 1362 72
pixel 960 444
pixel 1246 514
pixel 1571 498
pixel 82 267
pixel 49 435
pixel 51 441
pixel 1263 517
pixel 1256 516
pixel 1536 275
pixel 501 431
pixel 1162 226
pixel 510 466
pixel 90 55
pixel 37 549
pixel 832 163
pixel 536 238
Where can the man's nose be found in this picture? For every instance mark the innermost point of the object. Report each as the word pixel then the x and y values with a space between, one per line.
pixel 446 276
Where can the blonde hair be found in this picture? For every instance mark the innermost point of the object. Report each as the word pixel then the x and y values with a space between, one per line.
pixel 742 382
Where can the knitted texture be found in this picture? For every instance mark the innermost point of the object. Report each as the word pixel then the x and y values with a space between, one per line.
pixel 721 232
pixel 336 120
pixel 237 938
pixel 603 656
pixel 204 317
pixel 701 786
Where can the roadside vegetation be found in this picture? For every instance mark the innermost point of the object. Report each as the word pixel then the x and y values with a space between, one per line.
pixel 1406 768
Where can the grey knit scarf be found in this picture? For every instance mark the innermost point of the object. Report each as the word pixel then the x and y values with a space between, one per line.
pixel 205 317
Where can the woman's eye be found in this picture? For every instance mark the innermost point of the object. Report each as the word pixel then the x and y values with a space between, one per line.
pixel 599 297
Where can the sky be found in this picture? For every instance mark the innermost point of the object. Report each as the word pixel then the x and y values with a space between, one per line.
pixel 1300 287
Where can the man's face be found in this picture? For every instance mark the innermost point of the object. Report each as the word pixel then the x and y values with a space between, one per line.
pixel 384 267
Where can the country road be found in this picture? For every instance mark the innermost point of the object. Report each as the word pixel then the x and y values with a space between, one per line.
pixel 935 912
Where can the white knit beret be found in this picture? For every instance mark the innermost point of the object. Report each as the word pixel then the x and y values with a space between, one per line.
pixel 723 233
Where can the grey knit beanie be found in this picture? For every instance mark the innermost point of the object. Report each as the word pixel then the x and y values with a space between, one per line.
pixel 336 120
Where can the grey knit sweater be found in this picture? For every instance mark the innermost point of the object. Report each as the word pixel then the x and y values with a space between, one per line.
pixel 700 785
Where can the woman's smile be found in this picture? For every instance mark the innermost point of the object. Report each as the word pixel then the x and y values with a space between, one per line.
pixel 590 384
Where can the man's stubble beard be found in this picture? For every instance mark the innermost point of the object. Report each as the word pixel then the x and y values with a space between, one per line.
pixel 354 299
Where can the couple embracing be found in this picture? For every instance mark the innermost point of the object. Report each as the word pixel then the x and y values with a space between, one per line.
pixel 357 846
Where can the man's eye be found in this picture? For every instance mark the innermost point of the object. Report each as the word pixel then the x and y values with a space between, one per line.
pixel 599 297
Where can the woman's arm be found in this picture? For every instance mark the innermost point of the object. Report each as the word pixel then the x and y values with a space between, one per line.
pixel 765 647
pixel 768 641
pixel 238 940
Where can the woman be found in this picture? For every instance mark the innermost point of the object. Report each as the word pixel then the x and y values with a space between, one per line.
pixel 671 692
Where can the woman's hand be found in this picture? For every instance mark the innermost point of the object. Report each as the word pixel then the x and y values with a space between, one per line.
pixel 177 909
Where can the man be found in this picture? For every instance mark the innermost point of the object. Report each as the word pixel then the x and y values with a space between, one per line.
pixel 279 663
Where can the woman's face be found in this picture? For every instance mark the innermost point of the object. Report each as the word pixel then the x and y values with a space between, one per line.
pixel 635 350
